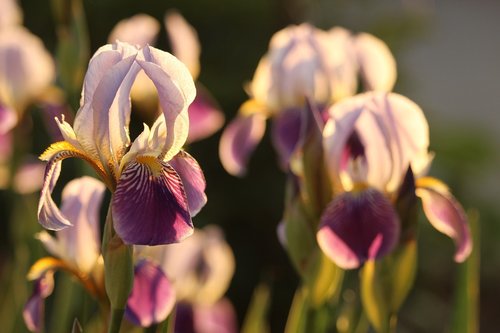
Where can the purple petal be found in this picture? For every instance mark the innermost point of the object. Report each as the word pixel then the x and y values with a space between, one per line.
pixel 152 297
pixel 193 180
pixel 357 226
pixel 215 318
pixel 239 140
pixel 205 117
pixel 34 309
pixel 446 214
pixel 286 131
pixel 150 206
pixel 184 318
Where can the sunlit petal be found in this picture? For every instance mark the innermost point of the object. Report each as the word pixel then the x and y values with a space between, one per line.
pixel 140 30
pixel 176 91
pixel 205 116
pixel 193 180
pixel 377 64
pixel 239 140
pixel 8 119
pixel 184 41
pixel 150 206
pixel 152 297
pixel 357 226
pixel 81 202
pixel 446 214
pixel 10 14
pixel 29 177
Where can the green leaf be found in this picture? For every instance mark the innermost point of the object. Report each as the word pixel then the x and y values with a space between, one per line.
pixel 466 306
pixel 324 280
pixel 373 296
pixel 77 328
pixel 297 316
pixel 256 317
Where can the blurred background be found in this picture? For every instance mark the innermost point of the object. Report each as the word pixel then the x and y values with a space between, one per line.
pixel 448 56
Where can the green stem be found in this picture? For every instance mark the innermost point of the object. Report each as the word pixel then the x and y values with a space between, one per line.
pixel 116 320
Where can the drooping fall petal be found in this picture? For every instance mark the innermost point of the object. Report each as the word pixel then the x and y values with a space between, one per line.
pixel 34 309
pixel 205 117
pixel 149 205
pixel 446 214
pixel 193 180
pixel 286 130
pixel 152 297
pixel 239 140
pixel 357 226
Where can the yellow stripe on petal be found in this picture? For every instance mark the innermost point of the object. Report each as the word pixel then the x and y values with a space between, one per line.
pixel 59 147
pixel 152 163
pixel 41 266
pixel 433 184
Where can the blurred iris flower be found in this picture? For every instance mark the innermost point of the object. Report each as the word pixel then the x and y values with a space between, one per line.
pixel 75 249
pixel 156 186
pixel 200 269
pixel 205 116
pixel 372 142
pixel 302 62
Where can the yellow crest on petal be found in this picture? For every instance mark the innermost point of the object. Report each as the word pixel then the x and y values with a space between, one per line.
pixel 41 266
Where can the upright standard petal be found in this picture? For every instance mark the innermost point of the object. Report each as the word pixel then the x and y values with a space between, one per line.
pixel 239 140
pixel 149 205
pixel 193 180
pixel 376 63
pixel 446 214
pixel 152 297
pixel 176 91
pixel 357 226
pixel 10 14
pixel 205 116
pixel 184 41
pixel 139 30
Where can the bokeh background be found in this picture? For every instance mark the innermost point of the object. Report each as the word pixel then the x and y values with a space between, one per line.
pixel 448 56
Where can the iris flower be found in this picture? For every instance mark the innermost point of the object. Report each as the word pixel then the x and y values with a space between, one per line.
pixel 370 142
pixel 205 117
pixel 302 62
pixel 156 186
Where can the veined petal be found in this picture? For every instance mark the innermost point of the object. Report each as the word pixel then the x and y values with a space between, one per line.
pixel 376 62
pixel 357 226
pixel 150 206
pixel 286 130
pixel 140 30
pixel 184 41
pixel 34 309
pixel 81 202
pixel 193 180
pixel 205 117
pixel 239 140
pixel 152 297
pixel 446 214
pixel 176 91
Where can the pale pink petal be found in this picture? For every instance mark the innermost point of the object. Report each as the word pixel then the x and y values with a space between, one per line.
pixel 176 91
pixel 81 203
pixel 184 41
pixel 29 177
pixel 239 140
pixel 193 180
pixel 205 116
pixel 10 14
pixel 150 206
pixel 139 30
pixel 446 214
pixel 8 119
pixel 152 297
pixel 376 62
pixel 215 318
pixel 357 226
